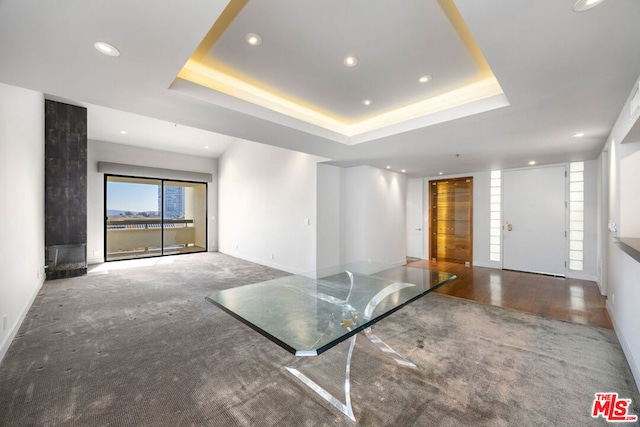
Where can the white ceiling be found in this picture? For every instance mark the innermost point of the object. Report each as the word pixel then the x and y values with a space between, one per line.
pixel 562 72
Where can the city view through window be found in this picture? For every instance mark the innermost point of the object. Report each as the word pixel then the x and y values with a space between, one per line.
pixel 151 217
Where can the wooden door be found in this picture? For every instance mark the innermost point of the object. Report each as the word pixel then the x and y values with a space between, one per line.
pixel 451 222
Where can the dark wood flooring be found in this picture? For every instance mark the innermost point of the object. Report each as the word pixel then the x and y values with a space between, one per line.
pixel 571 300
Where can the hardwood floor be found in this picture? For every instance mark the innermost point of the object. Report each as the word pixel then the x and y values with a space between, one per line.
pixel 571 300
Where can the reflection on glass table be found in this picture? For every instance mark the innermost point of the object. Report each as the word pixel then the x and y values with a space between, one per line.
pixel 310 314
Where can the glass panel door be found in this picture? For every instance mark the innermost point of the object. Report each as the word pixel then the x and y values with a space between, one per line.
pixel 184 217
pixel 133 222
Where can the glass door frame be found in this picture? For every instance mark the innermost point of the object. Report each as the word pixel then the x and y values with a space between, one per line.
pixel 161 214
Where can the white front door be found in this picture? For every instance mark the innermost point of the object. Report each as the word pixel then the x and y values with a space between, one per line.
pixel 534 220
pixel 414 218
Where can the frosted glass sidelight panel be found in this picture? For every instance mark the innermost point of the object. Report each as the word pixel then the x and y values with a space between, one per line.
pixel 495 224
pixel 575 265
pixel 576 206
pixel 576 245
pixel 576 215
pixel 577 176
pixel 576 166
pixel 576 196
pixel 576 187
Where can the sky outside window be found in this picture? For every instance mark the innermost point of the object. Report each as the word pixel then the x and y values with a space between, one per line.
pixel 134 197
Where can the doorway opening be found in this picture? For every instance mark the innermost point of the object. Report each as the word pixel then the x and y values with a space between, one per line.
pixel 451 220
pixel 147 217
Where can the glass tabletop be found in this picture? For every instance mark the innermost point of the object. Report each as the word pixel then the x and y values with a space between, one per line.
pixel 308 314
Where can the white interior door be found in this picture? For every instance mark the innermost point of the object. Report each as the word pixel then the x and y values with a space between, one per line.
pixel 534 220
pixel 414 218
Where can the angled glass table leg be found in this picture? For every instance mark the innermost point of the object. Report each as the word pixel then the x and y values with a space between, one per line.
pixel 388 351
pixel 324 374
pixel 326 369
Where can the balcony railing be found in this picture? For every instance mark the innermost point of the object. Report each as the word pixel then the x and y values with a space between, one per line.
pixel 131 224
pixel 144 236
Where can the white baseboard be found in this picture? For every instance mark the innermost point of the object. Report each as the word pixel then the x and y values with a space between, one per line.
pixel 267 263
pixel 16 326
pixel 582 276
pixel 490 264
pixel 633 364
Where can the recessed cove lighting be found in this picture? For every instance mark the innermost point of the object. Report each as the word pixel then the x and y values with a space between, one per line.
pixel 253 39
pixel 577 135
pixel 532 162
pixel 582 5
pixel 350 61
pixel 424 79
pixel 367 102
pixel 106 48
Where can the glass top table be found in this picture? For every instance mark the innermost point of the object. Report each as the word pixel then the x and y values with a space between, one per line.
pixel 310 314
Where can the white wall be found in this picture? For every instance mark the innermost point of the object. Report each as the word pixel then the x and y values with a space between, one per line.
pixel 361 216
pixel 374 216
pixel 629 155
pixel 98 151
pixel 22 189
pixel 267 206
pixel 623 285
pixel 481 217
pixel 330 216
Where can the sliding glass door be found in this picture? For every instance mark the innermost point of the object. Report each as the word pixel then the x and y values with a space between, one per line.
pixel 184 217
pixel 152 217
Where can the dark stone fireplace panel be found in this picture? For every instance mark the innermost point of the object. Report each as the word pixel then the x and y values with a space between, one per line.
pixel 65 185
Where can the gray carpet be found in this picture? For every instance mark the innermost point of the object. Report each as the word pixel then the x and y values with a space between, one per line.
pixel 141 346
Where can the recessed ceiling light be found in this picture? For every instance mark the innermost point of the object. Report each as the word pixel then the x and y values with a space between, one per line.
pixel 388 167
pixel 404 170
pixel 106 49
pixel 440 173
pixel 350 61
pixel 253 39
pixel 206 147
pixel 582 5
pixel 532 162
pixel 124 132
pixel 424 79
pixel 577 135
pixel 367 102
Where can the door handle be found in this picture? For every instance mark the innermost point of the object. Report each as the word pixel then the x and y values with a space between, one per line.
pixel 418 229
pixel 509 226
